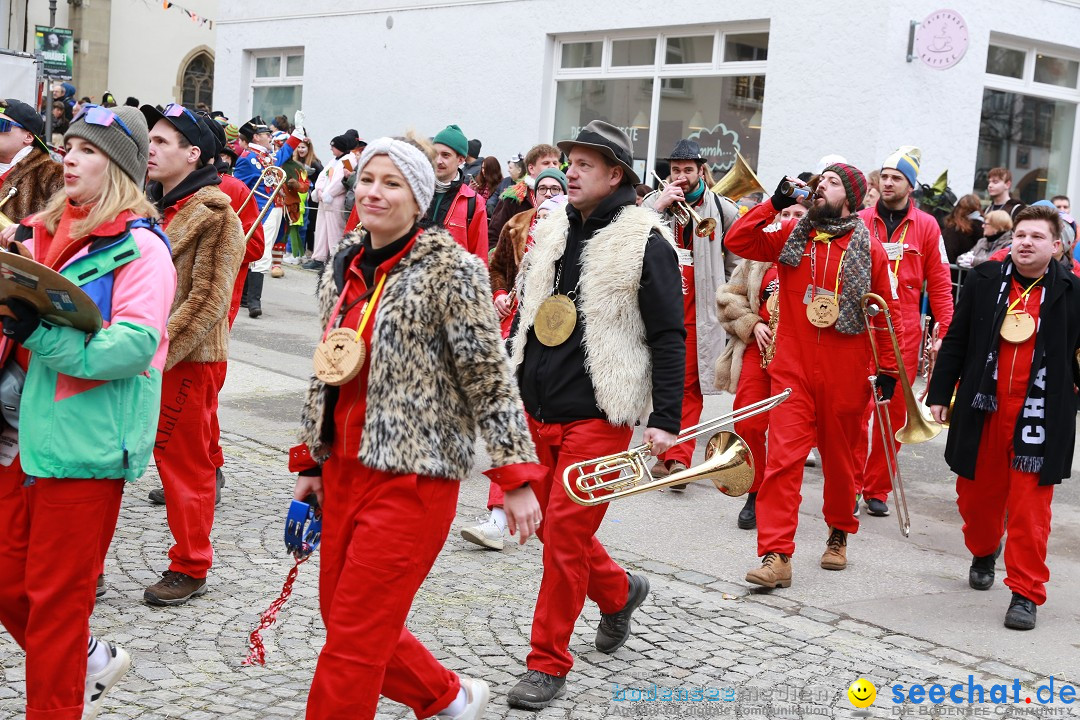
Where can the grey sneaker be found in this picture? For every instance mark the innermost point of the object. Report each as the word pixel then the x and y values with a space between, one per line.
pixel 536 690
pixel 614 629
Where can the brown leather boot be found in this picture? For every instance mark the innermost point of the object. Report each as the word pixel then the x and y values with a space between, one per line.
pixel 835 557
pixel 775 571
pixel 660 469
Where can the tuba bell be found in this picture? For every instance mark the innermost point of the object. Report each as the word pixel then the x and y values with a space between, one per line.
pixel 739 181
pixel 5 221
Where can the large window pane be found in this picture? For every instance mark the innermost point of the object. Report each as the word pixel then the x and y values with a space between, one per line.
pixel 267 67
pixel 624 103
pixel 633 52
pixel 746 47
pixel 582 54
pixel 722 113
pixel 270 102
pixel 1005 61
pixel 686 50
pixel 1030 136
pixel 1056 71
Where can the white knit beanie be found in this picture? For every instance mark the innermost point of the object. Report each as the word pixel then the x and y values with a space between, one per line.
pixel 411 161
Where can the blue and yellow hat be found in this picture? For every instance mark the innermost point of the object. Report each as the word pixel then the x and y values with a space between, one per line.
pixel 906 160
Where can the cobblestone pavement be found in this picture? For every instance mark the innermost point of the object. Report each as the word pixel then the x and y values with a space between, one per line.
pixel 777 658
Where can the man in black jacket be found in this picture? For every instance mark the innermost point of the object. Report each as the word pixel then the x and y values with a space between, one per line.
pixel 599 346
pixel 1013 348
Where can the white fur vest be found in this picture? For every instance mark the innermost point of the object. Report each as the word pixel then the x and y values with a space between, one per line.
pixel 617 358
pixel 437 370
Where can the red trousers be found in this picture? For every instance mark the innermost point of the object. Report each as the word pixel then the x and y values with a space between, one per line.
pixel 576 565
pixel 367 585
pixel 825 409
pixel 188 473
pixel 875 482
pixel 692 402
pixel 55 534
pixel 1001 499
pixel 216 455
pixel 754 386
pixel 238 292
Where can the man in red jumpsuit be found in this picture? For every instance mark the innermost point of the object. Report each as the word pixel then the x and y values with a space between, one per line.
pixel 1012 347
pixel 825 262
pixel 912 240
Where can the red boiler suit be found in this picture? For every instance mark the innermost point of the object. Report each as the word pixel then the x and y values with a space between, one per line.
pixel 916 254
pixel 755 385
pixel 826 371
pixel 1001 498
pixel 692 402
pixel 366 585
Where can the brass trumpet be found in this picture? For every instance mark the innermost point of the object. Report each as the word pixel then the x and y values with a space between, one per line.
pixel 276 179
pixel 728 463
pixel 685 215
pixel 919 427
pixel 5 221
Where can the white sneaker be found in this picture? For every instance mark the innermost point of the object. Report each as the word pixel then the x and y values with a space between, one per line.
pixel 477 694
pixel 486 534
pixel 290 260
pixel 98 684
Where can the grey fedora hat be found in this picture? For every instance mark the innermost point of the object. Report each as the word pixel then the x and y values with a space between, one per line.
pixel 609 141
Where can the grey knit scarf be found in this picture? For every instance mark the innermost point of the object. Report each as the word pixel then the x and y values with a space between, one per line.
pixel 856 280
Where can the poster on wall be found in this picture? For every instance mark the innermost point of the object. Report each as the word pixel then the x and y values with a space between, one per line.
pixel 57 49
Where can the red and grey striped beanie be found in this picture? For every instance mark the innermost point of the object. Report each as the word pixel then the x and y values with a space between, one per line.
pixel 854 183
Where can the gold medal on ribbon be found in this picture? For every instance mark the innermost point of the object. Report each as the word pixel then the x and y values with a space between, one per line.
pixel 773 303
pixel 823 311
pixel 1017 327
pixel 556 319
pixel 339 357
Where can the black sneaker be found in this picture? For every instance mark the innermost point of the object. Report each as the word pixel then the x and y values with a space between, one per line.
pixel 220 484
pixel 981 574
pixel 1021 614
pixel 536 690
pixel 748 515
pixel 313 265
pixel 156 496
pixel 614 629
pixel 877 508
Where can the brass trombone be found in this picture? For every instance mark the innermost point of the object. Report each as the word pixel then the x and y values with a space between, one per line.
pixel 919 427
pixel 728 463
pixel 685 215
pixel 5 221
pixel 273 177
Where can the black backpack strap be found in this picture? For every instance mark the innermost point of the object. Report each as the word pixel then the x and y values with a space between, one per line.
pixel 470 206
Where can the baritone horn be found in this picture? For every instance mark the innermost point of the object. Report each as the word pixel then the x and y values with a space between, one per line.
pixel 728 463
pixel 273 177
pixel 5 221
pixel 739 181
pixel 685 215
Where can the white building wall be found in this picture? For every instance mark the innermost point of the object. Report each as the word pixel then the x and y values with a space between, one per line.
pixel 150 47
pixel 837 82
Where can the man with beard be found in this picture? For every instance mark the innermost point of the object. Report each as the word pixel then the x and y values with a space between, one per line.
pixel 455 205
pixel 825 263
pixel 916 251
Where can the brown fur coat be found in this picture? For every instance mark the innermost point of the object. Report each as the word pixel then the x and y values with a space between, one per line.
pixel 437 372
pixel 207 248
pixel 737 306
pixel 37 177
pixel 506 259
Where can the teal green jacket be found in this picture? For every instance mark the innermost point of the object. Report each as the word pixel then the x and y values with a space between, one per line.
pixel 90 404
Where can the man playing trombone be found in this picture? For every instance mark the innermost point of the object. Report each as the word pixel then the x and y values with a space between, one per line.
pixel 598 346
pixel 1013 348
pixel 697 218
pixel 826 262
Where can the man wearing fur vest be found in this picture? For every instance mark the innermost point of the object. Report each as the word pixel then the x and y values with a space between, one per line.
pixel 826 263
pixel 599 345
pixel 207 248
pixel 704 265
pixel 29 174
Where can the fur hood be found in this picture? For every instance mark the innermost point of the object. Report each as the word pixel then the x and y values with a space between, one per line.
pixel 207 249
pixel 437 368
pixel 37 177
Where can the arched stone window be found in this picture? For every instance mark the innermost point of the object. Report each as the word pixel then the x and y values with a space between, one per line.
pixel 198 81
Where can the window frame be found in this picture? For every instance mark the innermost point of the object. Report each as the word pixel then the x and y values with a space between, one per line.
pixel 659 72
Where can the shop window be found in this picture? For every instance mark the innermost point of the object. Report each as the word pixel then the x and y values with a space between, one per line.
pixel 633 52
pixel 746 47
pixel 581 54
pixel 1056 71
pixel 1006 62
pixel 689 50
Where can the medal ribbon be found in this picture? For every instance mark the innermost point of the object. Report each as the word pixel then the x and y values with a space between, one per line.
pixel 336 312
pixel 896 268
pixel 370 309
pixel 1023 296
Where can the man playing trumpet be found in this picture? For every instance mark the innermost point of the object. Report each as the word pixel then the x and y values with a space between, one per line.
pixel 826 262
pixel 704 267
